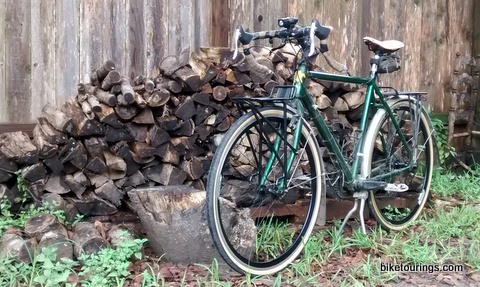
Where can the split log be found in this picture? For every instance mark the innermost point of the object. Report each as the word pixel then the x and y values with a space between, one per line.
pixel 17 146
pixel 114 135
pixel 92 205
pixel 108 116
pixel 174 218
pixel 110 192
pixel 165 174
pixel 57 118
pixel 158 98
pixel 34 172
pixel 191 80
pixel 145 116
pixel 82 126
pixel 126 112
pixel 54 164
pixel 157 136
pixel 354 99
pixel 186 110
pixel 170 65
pixel 7 164
pixel 75 152
pixel 45 148
pixel 56 184
pixel 14 246
pixel 78 182
pixel 87 239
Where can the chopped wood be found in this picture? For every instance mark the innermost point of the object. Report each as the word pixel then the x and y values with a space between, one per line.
pixel 34 172
pixel 220 93
pixel 104 69
pixel 106 98
pixel 165 174
pixel 51 134
pixel 114 135
pixel 185 110
pixel 95 146
pixel 149 85
pixel 87 239
pixel 57 118
pixel 112 78
pixel 54 164
pixel 110 192
pixel 191 80
pixel 157 136
pixel 7 164
pixel 169 65
pixel 126 112
pixel 37 225
pixel 14 246
pixel 56 184
pixel 44 147
pixel 159 97
pixel 354 99
pixel 140 101
pixel 171 210
pixel 145 116
pixel 168 153
pixel 135 179
pixel 170 85
pixel 17 146
pixel 62 246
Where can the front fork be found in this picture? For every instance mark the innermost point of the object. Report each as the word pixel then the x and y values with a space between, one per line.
pixel 289 150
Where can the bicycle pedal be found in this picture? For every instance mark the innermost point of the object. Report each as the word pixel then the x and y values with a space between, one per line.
pixel 396 187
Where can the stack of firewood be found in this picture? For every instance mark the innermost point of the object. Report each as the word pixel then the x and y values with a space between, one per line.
pixel 118 133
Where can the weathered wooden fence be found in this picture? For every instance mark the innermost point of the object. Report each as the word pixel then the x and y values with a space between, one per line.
pixel 47 47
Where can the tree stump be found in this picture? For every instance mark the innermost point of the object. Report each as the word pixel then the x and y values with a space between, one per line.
pixel 174 218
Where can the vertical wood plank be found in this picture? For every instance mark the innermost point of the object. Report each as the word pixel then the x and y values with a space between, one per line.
pixel 136 40
pixel 428 50
pixel 3 94
pixel 18 61
pixel 203 28
pixel 240 13
pixel 265 17
pixel 411 56
pixel 220 23
pixel 117 25
pixel 442 76
pixel 156 30
pixel 67 52
pixel 43 55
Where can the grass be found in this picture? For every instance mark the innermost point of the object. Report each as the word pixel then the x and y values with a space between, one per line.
pixel 447 233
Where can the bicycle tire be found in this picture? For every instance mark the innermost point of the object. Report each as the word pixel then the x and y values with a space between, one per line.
pixel 386 154
pixel 302 186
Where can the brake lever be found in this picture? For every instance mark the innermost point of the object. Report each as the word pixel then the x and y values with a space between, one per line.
pixel 312 40
pixel 236 37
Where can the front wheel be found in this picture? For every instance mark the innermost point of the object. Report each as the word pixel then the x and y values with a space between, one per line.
pixel 389 160
pixel 260 216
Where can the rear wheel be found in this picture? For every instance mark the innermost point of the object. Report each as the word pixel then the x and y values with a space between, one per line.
pixel 259 228
pixel 396 210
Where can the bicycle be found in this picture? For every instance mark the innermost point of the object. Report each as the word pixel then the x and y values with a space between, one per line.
pixel 269 164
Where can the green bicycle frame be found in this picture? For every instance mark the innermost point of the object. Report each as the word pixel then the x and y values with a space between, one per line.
pixel 350 171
